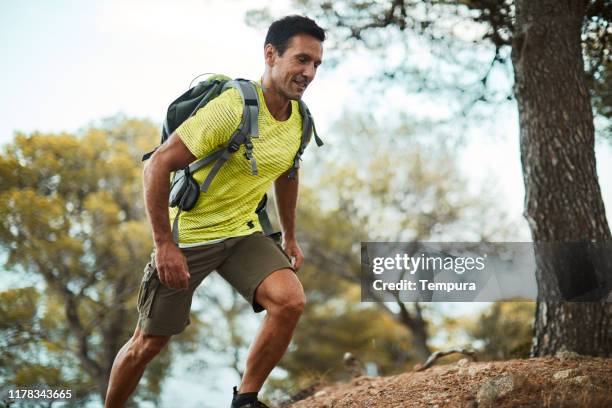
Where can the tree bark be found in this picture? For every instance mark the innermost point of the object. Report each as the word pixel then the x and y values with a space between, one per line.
pixel 563 200
pixel 418 329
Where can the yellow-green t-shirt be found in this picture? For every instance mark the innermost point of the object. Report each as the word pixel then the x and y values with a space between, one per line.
pixel 227 209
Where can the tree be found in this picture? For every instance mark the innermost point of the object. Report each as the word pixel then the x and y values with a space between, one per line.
pixel 548 40
pixel 557 152
pixel 30 357
pixel 73 217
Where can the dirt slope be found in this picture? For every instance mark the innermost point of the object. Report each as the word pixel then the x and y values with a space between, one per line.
pixel 567 380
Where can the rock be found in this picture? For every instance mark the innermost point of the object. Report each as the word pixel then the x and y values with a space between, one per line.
pixel 469 371
pixel 320 394
pixel 472 371
pixel 565 374
pixel 581 380
pixel 585 382
pixel 498 387
pixel 588 382
pixel 565 355
pixel 463 362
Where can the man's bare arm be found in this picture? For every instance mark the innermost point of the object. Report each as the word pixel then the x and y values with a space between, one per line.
pixel 170 156
pixel 286 192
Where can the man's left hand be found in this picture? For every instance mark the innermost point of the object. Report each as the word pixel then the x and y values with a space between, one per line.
pixel 292 249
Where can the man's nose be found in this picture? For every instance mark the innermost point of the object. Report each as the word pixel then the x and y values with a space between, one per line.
pixel 310 71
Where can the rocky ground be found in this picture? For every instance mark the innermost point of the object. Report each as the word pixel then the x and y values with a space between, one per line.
pixel 566 380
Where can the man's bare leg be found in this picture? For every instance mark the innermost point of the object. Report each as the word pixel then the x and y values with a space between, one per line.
pixel 129 366
pixel 282 295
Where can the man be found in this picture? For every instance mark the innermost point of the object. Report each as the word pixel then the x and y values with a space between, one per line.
pixel 222 232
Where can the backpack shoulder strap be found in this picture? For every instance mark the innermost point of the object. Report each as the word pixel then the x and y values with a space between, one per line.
pixel 250 100
pixel 247 128
pixel 308 129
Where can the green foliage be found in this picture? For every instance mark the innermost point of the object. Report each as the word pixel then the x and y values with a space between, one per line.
pixel 329 330
pixel 18 309
pixel 469 40
pixel 73 217
pixel 32 349
pixel 597 51
pixel 505 330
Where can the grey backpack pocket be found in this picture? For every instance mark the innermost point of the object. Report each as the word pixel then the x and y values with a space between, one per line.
pixel 184 191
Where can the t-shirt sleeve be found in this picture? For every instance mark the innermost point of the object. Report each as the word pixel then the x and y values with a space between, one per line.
pixel 212 126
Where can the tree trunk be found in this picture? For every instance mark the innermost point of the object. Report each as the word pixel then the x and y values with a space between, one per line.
pixel 563 200
pixel 418 329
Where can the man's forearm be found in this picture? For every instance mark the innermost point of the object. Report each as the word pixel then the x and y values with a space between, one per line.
pixel 286 192
pixel 156 189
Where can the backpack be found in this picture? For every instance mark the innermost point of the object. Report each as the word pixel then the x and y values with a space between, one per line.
pixel 185 190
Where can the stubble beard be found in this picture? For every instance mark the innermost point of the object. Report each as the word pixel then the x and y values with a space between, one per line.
pixel 290 96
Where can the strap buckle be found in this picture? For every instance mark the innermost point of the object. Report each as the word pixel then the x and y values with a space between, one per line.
pixel 233 146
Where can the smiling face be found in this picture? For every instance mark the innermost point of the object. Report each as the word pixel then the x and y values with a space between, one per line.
pixel 294 70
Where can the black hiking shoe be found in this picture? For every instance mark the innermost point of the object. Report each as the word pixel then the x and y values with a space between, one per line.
pixel 246 400
pixel 256 404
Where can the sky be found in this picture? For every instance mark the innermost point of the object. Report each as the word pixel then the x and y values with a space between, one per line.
pixel 69 63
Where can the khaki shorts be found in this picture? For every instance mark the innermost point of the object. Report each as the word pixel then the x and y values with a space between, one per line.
pixel 244 262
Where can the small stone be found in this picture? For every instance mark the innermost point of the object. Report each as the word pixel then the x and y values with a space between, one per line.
pixel 472 371
pixel 582 380
pixel 320 394
pixel 587 382
pixel 497 387
pixel 463 362
pixel 565 374
pixel 468 371
pixel 565 355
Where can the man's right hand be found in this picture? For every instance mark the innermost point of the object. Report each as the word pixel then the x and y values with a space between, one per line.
pixel 170 263
pixel 171 266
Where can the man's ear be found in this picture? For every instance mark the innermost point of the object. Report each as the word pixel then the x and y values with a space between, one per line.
pixel 270 55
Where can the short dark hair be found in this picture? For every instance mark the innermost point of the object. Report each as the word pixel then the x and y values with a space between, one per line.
pixel 281 31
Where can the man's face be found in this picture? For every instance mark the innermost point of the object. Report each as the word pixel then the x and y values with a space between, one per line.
pixel 296 68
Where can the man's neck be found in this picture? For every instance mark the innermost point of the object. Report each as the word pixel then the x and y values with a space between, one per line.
pixel 278 106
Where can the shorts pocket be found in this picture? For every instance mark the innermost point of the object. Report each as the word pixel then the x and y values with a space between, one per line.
pixel 148 289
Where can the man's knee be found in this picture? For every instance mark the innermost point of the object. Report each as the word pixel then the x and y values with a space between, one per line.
pixel 144 347
pixel 291 306
pixel 282 294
